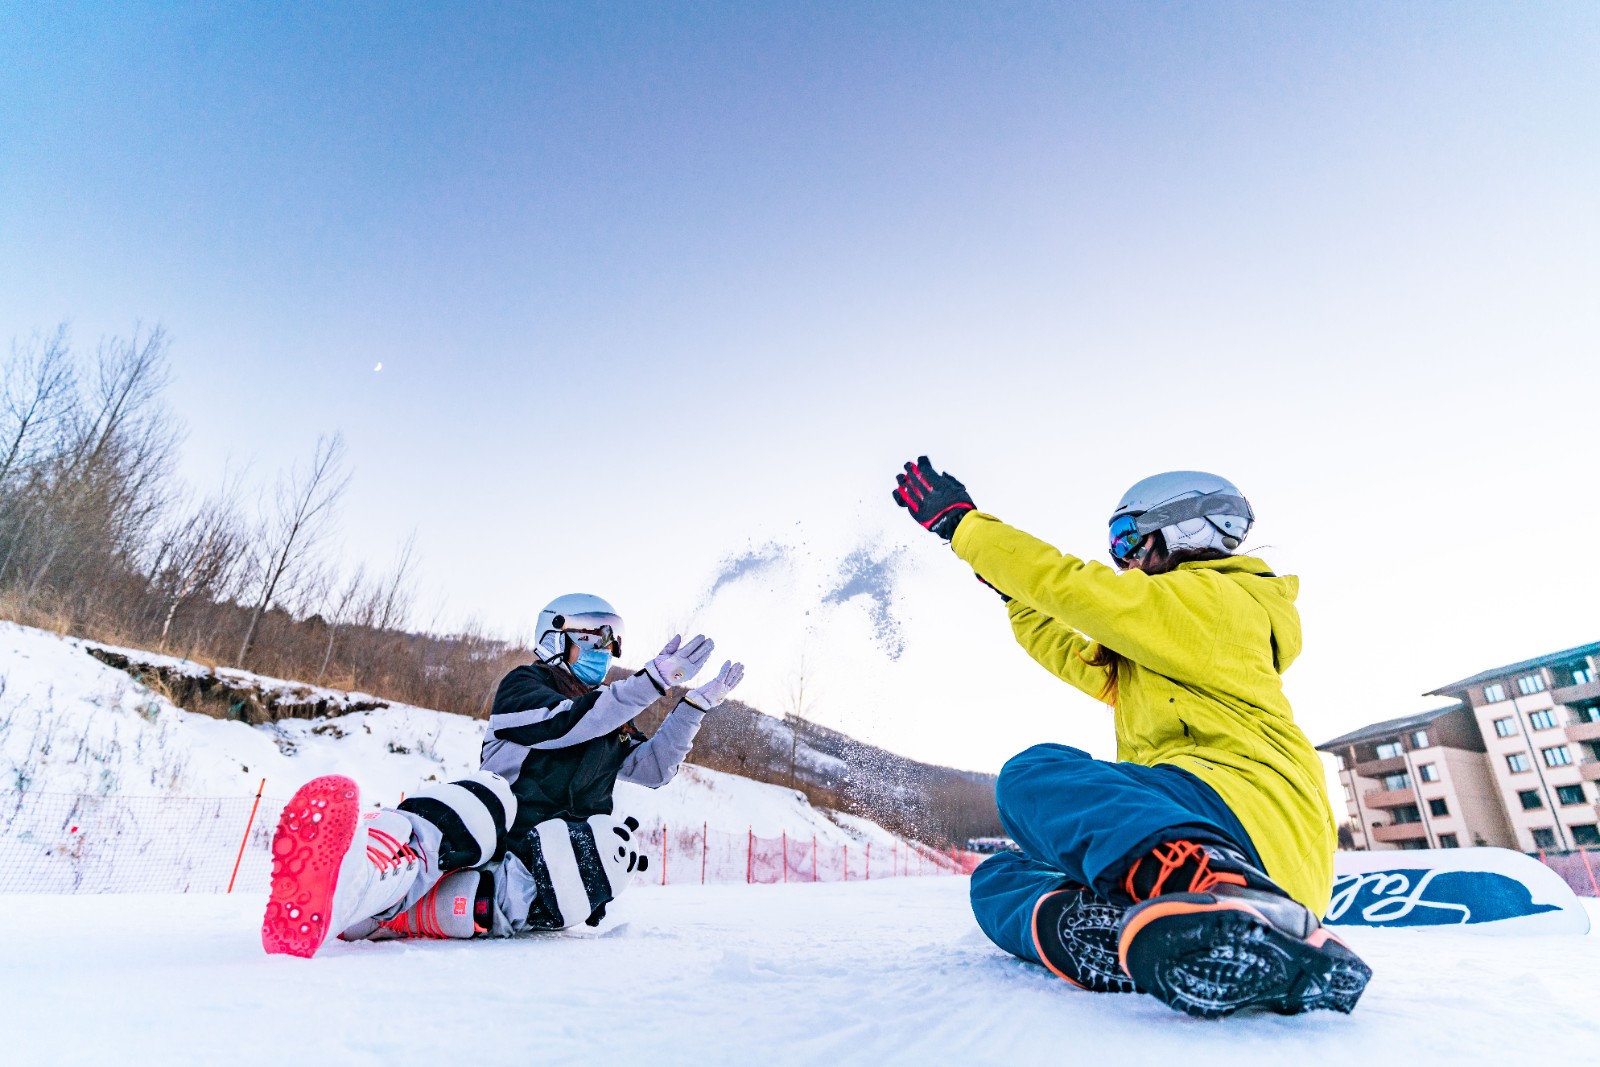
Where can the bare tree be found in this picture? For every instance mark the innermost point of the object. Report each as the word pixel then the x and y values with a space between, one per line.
pixel 800 697
pixel 97 483
pixel 303 508
pixel 36 392
pixel 392 598
pixel 346 607
pixel 200 555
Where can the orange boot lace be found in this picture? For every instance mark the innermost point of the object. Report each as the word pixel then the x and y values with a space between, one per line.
pixel 1192 864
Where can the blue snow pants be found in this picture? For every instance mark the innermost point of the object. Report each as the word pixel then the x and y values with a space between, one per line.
pixel 1082 820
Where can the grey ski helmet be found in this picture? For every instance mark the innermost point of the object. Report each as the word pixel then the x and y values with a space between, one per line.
pixel 1192 509
pixel 577 612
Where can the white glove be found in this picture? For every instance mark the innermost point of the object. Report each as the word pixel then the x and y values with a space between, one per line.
pixel 676 665
pixel 716 691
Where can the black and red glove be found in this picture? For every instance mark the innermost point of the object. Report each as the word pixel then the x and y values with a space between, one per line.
pixel 937 501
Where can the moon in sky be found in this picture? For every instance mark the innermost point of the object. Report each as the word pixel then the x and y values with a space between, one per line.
pixel 379 367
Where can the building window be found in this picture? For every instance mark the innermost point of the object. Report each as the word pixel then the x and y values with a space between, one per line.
pixel 1544 838
pixel 1505 727
pixel 1428 772
pixel 1589 713
pixel 1569 794
pixel 1530 799
pixel 1390 750
pixel 1419 739
pixel 1518 762
pixel 1583 676
pixel 1556 757
pixel 1494 694
pixel 1349 794
pixel 1406 813
pixel 1397 781
pixel 1542 720
pixel 1437 806
pixel 1587 834
pixel 1530 684
pixel 1414 844
pixel 1338 761
pixel 1448 841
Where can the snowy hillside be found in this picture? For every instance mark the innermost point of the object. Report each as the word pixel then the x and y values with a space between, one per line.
pixel 71 725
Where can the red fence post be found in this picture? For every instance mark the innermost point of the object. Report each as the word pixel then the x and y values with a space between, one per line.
pixel 1592 883
pixel 786 857
pixel 749 856
pixel 869 861
pixel 663 853
pixel 816 859
pixel 847 863
pixel 704 832
pixel 246 839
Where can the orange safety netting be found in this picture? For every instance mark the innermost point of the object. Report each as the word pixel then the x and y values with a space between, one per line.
pixel 78 843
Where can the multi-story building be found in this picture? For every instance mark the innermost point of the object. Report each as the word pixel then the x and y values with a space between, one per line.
pixel 1540 721
pixel 1420 782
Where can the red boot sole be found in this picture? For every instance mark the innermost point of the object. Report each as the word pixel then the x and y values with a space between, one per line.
pixel 314 833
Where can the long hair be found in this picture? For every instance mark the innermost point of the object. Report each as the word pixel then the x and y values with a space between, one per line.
pixel 1157 561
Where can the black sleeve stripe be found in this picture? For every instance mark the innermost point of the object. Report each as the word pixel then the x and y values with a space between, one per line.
pixel 458 848
pixel 590 866
pixel 552 728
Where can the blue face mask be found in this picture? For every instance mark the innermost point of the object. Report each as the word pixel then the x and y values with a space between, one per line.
pixel 592 665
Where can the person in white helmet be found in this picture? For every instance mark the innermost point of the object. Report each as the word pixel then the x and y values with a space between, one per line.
pixel 563 739
pixel 1196 866
pixel 529 842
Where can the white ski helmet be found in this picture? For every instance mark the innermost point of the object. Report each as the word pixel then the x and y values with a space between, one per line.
pixel 580 612
pixel 1192 509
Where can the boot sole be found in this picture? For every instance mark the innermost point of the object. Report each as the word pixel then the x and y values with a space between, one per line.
pixel 314 833
pixel 1088 958
pixel 1210 959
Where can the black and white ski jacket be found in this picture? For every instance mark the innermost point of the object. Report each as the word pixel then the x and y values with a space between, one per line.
pixel 563 753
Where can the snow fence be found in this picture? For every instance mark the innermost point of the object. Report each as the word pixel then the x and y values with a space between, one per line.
pixel 80 843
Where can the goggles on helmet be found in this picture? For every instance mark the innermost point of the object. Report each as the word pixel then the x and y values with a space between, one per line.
pixel 590 630
pixel 1125 537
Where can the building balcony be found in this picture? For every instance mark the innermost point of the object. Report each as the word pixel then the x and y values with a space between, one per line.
pixel 1400 831
pixel 1584 731
pixel 1590 769
pixel 1377 768
pixel 1389 798
pixel 1576 694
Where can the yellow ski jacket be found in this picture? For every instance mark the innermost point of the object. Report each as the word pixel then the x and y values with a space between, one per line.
pixel 1204 647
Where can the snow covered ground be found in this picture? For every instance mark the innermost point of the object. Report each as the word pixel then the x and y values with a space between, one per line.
pixel 882 972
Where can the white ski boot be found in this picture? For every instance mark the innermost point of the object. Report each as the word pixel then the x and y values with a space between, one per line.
pixel 333 867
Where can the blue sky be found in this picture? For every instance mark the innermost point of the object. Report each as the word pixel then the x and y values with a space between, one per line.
pixel 655 283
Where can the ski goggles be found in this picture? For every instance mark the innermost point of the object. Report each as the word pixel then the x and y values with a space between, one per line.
pixel 1125 536
pixel 592 630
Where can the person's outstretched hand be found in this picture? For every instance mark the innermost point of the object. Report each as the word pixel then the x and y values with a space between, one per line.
pixel 678 663
pixel 937 501
pixel 715 691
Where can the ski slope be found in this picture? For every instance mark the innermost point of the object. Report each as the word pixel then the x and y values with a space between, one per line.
pixel 865 973
pixel 71 726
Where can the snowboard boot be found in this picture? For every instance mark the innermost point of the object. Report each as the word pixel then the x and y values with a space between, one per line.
pixel 1210 934
pixel 459 906
pixel 333 866
pixel 1075 935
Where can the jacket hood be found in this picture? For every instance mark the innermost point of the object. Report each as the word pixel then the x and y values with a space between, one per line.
pixel 1274 592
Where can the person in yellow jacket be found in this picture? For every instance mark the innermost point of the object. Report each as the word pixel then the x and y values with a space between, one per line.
pixel 1196 867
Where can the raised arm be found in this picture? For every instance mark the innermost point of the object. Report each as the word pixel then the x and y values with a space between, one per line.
pixel 654 763
pixel 1166 622
pixel 1059 649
